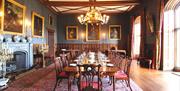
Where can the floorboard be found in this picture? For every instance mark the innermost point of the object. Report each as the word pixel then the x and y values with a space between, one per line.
pixel 154 80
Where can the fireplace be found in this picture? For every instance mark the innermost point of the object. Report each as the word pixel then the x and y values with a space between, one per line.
pixel 18 63
pixel 23 57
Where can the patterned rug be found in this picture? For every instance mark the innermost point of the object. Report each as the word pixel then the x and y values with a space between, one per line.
pixel 44 80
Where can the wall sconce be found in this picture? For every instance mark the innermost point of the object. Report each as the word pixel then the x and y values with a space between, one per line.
pixel 82 36
pixel 103 35
pixel 27 23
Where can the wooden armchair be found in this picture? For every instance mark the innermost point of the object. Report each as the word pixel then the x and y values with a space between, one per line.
pixel 87 75
pixel 123 73
pixel 60 74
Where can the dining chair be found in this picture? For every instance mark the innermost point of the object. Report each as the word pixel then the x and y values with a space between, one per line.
pixel 89 77
pixel 117 61
pixel 60 74
pixel 64 60
pixel 73 54
pixel 124 72
pixel 68 57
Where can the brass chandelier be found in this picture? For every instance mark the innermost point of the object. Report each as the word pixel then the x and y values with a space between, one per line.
pixel 93 16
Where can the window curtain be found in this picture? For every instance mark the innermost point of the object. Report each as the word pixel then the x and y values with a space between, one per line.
pixel 132 36
pixel 158 43
pixel 142 34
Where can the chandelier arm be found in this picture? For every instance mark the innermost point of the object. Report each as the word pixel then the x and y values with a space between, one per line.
pixel 93 16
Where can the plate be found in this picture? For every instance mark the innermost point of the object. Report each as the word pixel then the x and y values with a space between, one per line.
pixel 76 60
pixel 110 64
pixel 73 64
pixel 106 60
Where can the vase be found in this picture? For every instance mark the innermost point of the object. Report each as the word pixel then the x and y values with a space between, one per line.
pixel 29 39
pixel 16 39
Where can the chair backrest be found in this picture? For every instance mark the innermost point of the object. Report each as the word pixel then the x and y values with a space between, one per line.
pixel 58 65
pixel 72 53
pixel 64 59
pixel 88 74
pixel 68 57
pixel 127 66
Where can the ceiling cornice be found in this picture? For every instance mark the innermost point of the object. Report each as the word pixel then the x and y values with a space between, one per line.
pixel 97 3
pixel 52 10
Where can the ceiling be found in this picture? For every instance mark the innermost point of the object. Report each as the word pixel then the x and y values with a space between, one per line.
pixel 82 6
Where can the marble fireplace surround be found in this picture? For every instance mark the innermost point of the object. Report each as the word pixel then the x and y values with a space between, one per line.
pixel 26 48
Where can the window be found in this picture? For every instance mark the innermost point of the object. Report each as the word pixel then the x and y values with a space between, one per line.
pixel 168 37
pixel 171 51
pixel 137 36
pixel 177 36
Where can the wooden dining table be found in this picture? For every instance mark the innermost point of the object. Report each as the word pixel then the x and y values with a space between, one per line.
pixel 107 70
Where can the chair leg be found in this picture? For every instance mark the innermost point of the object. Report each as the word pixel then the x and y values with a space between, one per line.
pixel 128 84
pixel 59 81
pixel 110 81
pixel 113 83
pixel 69 84
pixel 55 85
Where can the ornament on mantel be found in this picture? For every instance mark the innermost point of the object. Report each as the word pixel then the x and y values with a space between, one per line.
pixel 1 38
pixel 16 39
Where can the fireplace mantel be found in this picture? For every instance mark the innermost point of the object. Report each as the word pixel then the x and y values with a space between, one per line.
pixel 24 47
pixel 27 48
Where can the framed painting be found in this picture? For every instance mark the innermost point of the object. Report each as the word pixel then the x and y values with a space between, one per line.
pixel 14 17
pixel 115 32
pixel 71 32
pixel 92 32
pixel 37 25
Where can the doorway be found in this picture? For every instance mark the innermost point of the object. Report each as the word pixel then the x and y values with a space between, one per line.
pixel 136 37
pixel 51 52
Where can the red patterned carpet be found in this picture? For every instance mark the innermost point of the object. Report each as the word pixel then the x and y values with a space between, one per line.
pixel 44 80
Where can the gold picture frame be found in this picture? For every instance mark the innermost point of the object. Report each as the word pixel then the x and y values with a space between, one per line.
pixel 92 32
pixel 1 16
pixel 71 32
pixel 115 32
pixel 37 25
pixel 13 18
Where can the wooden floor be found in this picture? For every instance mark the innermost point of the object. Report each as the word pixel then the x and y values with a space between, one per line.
pixel 153 80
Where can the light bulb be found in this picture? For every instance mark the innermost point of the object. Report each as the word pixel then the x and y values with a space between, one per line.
pixel 1 13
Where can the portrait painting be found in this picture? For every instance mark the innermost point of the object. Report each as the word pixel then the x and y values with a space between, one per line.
pixel 92 32
pixel 14 16
pixel 37 25
pixel 71 32
pixel 115 32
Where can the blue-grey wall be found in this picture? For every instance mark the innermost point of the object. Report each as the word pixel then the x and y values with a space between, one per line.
pixel 36 6
pixel 71 20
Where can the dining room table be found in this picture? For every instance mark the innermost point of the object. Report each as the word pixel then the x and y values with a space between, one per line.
pixel 107 68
